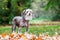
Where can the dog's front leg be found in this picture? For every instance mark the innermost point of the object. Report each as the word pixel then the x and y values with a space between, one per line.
pixel 19 30
pixel 27 26
pixel 26 29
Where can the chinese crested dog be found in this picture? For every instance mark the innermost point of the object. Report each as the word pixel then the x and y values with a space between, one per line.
pixel 22 20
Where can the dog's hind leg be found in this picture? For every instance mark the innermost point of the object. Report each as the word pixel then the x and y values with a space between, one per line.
pixel 13 27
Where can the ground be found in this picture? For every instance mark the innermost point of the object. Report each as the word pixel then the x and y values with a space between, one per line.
pixel 50 29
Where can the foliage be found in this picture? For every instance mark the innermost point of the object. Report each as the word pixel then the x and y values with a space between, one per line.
pixel 11 8
pixel 54 4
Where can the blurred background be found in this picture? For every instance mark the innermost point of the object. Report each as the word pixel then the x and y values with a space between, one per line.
pixel 43 10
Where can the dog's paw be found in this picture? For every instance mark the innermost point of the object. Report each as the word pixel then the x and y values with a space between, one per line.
pixel 26 33
pixel 14 33
pixel 19 32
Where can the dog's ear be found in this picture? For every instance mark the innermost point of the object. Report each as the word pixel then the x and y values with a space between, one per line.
pixel 23 13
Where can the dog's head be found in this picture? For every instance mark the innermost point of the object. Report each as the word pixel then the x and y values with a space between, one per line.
pixel 27 14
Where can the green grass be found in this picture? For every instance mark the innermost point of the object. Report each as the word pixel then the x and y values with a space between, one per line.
pixel 34 29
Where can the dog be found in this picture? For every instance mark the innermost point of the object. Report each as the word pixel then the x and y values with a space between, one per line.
pixel 22 20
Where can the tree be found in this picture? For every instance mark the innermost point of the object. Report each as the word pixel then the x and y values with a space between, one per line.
pixel 56 5
pixel 11 8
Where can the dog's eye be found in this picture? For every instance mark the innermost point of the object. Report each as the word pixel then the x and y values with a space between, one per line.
pixel 27 11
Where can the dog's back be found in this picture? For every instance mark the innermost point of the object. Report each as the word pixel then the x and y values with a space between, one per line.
pixel 18 20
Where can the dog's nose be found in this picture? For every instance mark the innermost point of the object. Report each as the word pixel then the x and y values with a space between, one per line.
pixel 29 14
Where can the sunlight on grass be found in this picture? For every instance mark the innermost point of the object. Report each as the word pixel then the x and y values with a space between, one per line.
pixel 34 29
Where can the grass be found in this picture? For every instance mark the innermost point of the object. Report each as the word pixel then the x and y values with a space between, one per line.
pixel 34 29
